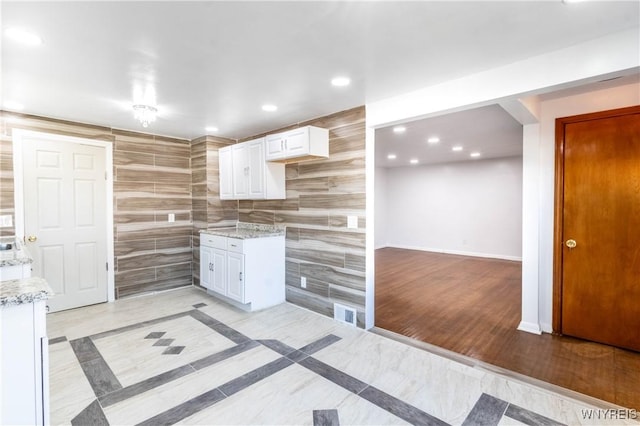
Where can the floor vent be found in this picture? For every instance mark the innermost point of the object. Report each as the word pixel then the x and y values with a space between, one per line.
pixel 344 314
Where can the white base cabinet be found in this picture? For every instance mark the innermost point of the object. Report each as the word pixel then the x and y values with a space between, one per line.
pixel 15 272
pixel 24 365
pixel 248 273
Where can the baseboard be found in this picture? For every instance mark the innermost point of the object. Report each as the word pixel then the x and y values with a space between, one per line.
pixel 457 252
pixel 530 327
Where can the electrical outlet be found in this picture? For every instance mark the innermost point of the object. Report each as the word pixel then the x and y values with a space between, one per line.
pixel 303 282
pixel 5 221
pixel 172 217
pixel 352 222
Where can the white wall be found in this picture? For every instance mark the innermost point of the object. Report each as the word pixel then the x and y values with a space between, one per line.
pixel 381 224
pixel 472 208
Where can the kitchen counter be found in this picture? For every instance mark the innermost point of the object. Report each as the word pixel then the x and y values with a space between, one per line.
pixel 245 230
pixel 27 290
pixel 18 255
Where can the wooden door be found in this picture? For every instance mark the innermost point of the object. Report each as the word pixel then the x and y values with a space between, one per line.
pixel 65 218
pixel 597 260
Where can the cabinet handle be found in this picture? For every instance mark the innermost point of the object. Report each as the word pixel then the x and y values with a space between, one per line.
pixel 211 267
pixel 285 145
pixel 240 276
pixel 281 144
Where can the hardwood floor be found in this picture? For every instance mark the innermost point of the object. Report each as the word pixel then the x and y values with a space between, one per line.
pixel 472 305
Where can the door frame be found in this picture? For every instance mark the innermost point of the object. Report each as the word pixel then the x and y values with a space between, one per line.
pixel 558 224
pixel 18 137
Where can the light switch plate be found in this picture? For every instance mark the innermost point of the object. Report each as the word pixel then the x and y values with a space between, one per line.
pixel 352 222
pixel 6 221
pixel 172 217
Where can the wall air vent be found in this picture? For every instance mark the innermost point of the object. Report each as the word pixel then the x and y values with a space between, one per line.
pixel 344 314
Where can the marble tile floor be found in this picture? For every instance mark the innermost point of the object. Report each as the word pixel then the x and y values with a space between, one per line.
pixel 183 357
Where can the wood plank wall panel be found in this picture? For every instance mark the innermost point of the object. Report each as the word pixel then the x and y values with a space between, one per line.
pixel 320 195
pixel 207 208
pixel 152 177
pixel 7 206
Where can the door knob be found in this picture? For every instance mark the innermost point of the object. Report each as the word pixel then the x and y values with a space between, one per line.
pixel 32 238
pixel 571 243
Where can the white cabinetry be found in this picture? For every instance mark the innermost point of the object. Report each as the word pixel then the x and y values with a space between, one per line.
pixel 304 143
pixel 248 273
pixel 244 173
pixel 24 365
pixel 15 272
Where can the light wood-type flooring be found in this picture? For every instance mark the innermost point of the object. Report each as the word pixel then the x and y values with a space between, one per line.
pixel 472 305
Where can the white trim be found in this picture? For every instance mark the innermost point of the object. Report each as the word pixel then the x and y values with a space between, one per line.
pixel 370 288
pixel 18 136
pixel 530 327
pixel 457 252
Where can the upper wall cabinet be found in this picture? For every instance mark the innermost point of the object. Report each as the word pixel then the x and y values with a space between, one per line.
pixel 245 175
pixel 304 143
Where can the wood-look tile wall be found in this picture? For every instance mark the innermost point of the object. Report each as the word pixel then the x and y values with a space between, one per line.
pixel 320 196
pixel 208 209
pixel 6 182
pixel 152 178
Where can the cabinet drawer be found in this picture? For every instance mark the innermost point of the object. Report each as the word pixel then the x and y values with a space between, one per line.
pixel 215 241
pixel 234 245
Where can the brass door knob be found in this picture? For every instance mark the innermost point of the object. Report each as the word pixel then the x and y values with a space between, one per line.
pixel 32 238
pixel 571 243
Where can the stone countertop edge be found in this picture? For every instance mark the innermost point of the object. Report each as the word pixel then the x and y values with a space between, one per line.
pixel 16 257
pixel 27 290
pixel 245 230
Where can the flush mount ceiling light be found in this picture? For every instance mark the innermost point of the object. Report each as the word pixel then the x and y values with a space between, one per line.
pixel 341 81
pixel 145 114
pixel 23 36
pixel 269 107
pixel 211 129
pixel 456 148
pixel 413 161
pixel 433 139
pixel 399 129
pixel 391 156
pixel 474 154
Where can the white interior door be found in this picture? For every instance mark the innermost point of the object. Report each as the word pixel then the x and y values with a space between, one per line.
pixel 65 219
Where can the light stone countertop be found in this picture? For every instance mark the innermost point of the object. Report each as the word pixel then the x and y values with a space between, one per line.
pixel 27 290
pixel 19 255
pixel 244 230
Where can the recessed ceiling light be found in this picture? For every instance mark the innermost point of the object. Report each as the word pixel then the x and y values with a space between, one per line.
pixel 414 161
pixel 341 81
pixel 399 129
pixel 211 129
pixel 391 156
pixel 15 106
pixel 269 107
pixel 475 154
pixel 23 36
pixel 433 139
pixel 456 148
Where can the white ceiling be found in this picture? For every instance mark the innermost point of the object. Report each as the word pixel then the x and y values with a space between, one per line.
pixel 216 63
pixel 489 131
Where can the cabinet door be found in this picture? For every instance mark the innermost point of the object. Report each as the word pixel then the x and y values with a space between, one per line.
pixel 296 141
pixel 205 267
pixel 218 273
pixel 240 171
pixel 225 165
pixel 274 146
pixel 256 169
pixel 235 277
